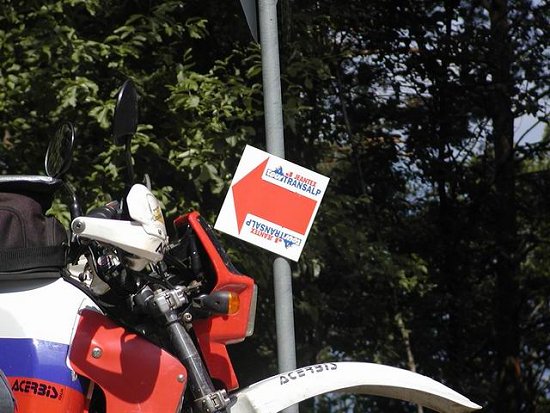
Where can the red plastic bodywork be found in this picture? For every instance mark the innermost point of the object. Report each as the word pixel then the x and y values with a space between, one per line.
pixel 214 333
pixel 29 400
pixel 135 375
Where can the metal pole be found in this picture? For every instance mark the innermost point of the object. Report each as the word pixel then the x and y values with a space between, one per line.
pixel 282 277
pixel 271 73
pixel 284 315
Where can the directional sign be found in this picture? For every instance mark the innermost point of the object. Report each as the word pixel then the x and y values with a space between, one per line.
pixel 271 203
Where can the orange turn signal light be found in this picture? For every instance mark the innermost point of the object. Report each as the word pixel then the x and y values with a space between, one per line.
pixel 219 302
pixel 233 303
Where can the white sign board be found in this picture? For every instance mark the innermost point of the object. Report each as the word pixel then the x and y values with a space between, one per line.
pixel 271 203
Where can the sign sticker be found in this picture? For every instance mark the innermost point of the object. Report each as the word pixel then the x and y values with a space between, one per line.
pixel 306 371
pixel 271 203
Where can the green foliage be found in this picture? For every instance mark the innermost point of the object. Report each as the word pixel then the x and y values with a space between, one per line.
pixel 63 61
pixel 208 111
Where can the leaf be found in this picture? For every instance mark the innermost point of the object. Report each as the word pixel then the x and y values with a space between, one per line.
pixel 192 102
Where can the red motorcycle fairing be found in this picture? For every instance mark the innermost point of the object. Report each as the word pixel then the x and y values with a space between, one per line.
pixel 214 333
pixel 134 374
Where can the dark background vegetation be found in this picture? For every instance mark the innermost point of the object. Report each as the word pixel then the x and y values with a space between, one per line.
pixel 431 248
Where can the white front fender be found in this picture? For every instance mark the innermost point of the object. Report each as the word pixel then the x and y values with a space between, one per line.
pixel 279 392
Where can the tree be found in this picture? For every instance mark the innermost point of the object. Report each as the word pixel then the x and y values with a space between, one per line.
pixel 64 60
pixel 439 84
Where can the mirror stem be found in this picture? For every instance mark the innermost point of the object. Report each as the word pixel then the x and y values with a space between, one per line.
pixel 129 163
pixel 74 207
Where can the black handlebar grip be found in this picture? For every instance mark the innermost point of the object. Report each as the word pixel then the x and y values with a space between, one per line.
pixel 105 212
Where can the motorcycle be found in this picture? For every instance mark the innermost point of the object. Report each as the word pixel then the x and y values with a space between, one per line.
pixel 140 323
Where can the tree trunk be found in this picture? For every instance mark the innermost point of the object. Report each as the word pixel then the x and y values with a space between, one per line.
pixel 508 394
pixel 411 363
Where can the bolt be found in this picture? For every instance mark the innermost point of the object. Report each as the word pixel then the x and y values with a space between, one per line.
pixel 180 378
pixel 187 317
pixel 96 352
pixel 79 226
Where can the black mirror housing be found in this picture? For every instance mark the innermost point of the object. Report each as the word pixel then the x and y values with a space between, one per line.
pixel 126 113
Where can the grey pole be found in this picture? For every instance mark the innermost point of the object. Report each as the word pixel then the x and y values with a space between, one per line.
pixel 271 73
pixel 275 142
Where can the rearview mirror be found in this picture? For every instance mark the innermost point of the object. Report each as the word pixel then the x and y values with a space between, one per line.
pixel 60 151
pixel 126 113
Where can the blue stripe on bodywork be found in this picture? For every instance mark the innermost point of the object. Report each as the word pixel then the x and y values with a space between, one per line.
pixel 45 360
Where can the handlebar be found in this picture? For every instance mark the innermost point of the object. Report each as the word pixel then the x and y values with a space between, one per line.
pixel 109 211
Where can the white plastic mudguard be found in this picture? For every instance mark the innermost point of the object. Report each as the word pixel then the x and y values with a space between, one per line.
pixel 279 392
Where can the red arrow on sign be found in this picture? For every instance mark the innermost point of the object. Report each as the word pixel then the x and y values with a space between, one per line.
pixel 253 195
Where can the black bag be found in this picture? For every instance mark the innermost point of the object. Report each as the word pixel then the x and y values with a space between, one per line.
pixel 30 242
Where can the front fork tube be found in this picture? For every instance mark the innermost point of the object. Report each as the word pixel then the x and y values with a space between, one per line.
pixel 207 399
